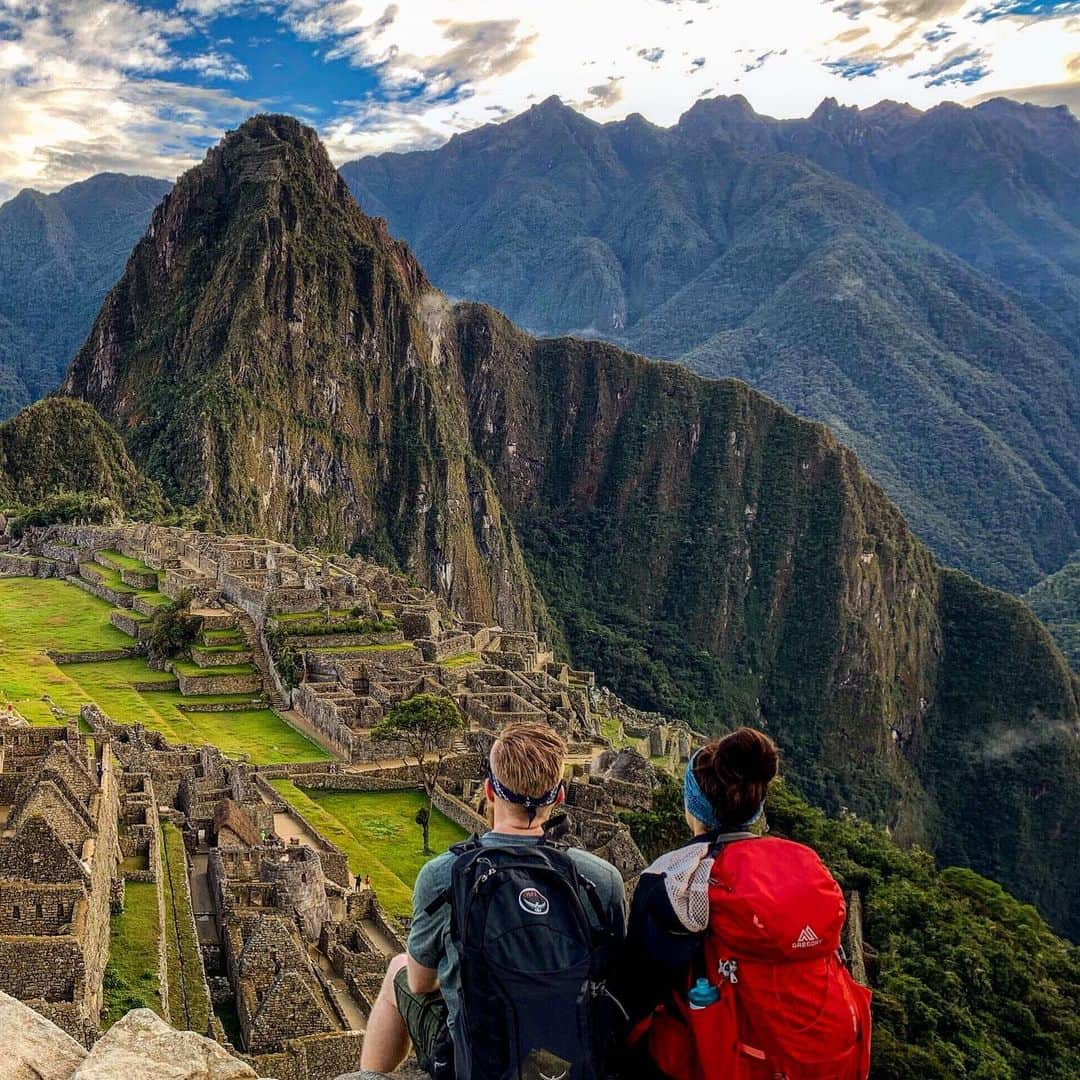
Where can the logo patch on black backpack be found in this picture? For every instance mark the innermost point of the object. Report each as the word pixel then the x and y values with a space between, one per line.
pixel 533 901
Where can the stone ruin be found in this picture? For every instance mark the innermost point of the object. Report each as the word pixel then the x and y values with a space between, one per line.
pixel 287 940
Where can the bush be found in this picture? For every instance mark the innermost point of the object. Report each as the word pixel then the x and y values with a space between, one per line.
pixel 65 508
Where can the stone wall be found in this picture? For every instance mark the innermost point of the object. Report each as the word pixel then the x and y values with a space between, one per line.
pixel 360 782
pixel 49 968
pixel 129 624
pixel 317 1057
pixel 28 566
pixel 458 812
pixel 207 658
pixel 94 656
pixel 218 684
pixel 102 592
pixel 104 868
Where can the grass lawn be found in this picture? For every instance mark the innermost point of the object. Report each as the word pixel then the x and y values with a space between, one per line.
pixel 378 832
pixel 465 659
pixel 131 976
pixel 181 946
pixel 49 614
pixel 258 732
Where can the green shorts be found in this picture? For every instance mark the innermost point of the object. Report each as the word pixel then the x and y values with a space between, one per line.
pixel 425 1017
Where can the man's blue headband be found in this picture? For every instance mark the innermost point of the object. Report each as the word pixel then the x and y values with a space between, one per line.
pixel 700 807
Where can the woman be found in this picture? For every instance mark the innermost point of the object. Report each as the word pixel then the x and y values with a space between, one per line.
pixel 739 935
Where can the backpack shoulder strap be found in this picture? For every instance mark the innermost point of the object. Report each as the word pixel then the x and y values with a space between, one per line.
pixel 721 840
pixel 464 847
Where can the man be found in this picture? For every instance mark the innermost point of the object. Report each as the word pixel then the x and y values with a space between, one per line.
pixel 421 996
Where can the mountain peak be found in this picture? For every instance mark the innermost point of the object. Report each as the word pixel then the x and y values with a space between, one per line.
pixel 724 109
pixel 552 103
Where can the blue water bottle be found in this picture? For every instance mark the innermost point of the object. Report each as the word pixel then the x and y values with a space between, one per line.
pixel 703 994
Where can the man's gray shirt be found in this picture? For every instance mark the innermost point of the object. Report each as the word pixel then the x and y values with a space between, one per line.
pixel 429 937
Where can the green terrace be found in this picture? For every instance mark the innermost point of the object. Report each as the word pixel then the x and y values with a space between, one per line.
pixel 339 615
pixel 464 659
pixel 378 832
pixel 109 576
pixel 131 977
pixel 189 1005
pixel 124 562
pixel 37 615
pixel 196 671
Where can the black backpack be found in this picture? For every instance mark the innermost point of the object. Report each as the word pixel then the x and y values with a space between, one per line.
pixel 534 998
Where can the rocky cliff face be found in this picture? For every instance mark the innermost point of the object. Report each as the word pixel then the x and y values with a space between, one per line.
pixel 270 353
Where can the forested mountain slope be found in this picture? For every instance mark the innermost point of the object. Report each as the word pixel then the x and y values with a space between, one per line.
pixel 773 251
pixel 59 461
pixel 273 357
pixel 59 255
pixel 1056 600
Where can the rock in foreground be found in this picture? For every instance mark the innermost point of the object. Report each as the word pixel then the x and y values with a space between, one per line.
pixel 141 1046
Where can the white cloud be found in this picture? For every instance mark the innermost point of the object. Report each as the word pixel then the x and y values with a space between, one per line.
pixel 83 90
pixel 84 80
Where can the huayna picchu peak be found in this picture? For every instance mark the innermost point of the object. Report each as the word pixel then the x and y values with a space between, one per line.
pixel 274 359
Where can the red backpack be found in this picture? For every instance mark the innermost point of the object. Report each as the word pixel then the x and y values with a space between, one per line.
pixel 787 1008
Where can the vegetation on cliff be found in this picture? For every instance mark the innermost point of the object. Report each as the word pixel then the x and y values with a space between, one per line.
pixel 812 259
pixel 715 558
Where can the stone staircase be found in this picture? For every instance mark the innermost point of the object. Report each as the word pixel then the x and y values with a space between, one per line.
pixel 246 626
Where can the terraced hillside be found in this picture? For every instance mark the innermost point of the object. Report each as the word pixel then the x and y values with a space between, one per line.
pixel 62 647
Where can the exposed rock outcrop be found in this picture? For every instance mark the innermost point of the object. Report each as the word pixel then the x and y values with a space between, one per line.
pixel 140 1046
pixel 33 1048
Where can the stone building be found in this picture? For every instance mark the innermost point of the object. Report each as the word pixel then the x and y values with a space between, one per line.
pixel 59 860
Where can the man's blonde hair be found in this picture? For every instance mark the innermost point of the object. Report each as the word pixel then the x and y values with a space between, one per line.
pixel 528 758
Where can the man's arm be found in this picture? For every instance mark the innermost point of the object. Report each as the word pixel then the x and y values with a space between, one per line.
pixel 425 948
pixel 422 980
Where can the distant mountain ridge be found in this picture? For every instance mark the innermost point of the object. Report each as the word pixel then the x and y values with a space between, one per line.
pixel 271 356
pixel 771 251
pixel 59 255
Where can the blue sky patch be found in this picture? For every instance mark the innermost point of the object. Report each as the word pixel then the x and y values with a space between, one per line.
pixel 1027 9
pixel 855 67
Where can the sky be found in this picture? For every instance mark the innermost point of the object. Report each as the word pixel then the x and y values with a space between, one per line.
pixel 145 86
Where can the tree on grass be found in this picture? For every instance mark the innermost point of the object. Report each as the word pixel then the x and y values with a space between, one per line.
pixel 173 630
pixel 425 724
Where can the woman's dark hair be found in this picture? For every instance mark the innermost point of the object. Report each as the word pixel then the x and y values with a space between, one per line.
pixel 734 773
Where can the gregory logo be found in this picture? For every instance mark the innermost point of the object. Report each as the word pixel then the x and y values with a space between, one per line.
pixel 807 939
pixel 533 901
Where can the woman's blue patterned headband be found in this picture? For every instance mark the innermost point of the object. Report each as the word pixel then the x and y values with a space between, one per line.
pixel 700 807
